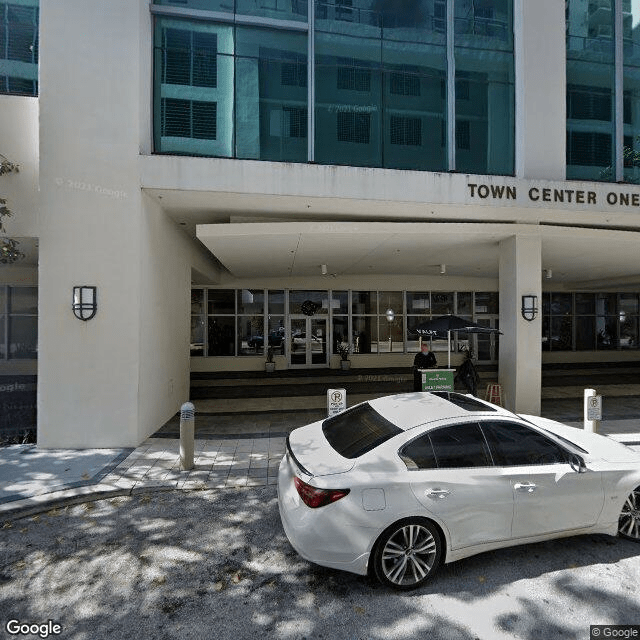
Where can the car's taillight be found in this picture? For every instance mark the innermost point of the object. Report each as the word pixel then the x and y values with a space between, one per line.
pixel 314 497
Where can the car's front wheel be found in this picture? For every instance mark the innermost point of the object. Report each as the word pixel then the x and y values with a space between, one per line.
pixel 629 522
pixel 407 554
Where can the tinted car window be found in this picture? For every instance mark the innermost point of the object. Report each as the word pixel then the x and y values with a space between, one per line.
pixel 418 454
pixel 464 402
pixel 461 445
pixel 354 432
pixel 514 444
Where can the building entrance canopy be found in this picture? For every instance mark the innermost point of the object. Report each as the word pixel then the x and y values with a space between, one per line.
pixel 578 258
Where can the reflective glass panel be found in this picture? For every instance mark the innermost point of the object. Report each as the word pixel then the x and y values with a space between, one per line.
pixel 307 302
pixel 221 336
pixel 631 97
pixel 442 303
pixel 590 83
pixel 486 302
pixel 193 93
pixel 19 47
pixel 365 334
pixel 485 102
pixel 197 300
pixel 339 302
pixel 251 301
pixel 585 333
pixel 418 302
pixel 250 335
pixel 3 346
pixel 221 300
pixel 23 338
pixel 276 302
pixel 271 95
pixel 197 335
pixel 391 334
pixel 364 302
pixel 23 300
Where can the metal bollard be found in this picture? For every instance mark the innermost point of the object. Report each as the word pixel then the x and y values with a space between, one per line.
pixel 187 419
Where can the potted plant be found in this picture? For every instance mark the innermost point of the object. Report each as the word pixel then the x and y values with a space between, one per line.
pixel 343 350
pixel 270 365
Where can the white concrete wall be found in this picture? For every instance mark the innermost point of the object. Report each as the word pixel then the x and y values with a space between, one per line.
pixel 91 227
pixel 539 29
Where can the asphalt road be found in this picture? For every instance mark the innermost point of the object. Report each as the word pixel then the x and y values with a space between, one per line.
pixel 216 564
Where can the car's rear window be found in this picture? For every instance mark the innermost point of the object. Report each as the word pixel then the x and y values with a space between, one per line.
pixel 464 402
pixel 358 430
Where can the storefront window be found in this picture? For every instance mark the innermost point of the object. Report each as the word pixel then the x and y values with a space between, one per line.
pixel 442 303
pixel 486 302
pixel 364 302
pixel 308 303
pixel 221 334
pixel 18 323
pixel 275 302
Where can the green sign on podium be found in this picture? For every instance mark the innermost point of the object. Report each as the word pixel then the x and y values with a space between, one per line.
pixel 437 379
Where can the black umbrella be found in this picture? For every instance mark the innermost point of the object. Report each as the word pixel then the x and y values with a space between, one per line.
pixel 437 327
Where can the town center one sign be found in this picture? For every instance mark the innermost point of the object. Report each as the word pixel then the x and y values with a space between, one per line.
pixel 480 191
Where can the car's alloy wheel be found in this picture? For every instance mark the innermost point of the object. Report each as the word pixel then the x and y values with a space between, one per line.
pixel 407 554
pixel 629 522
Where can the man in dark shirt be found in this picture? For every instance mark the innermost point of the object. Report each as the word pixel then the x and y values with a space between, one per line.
pixel 424 360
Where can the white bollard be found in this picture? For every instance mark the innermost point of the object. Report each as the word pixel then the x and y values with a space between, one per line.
pixel 592 410
pixel 187 419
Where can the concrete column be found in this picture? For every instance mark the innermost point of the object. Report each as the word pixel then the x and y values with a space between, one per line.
pixel 520 358
pixel 540 52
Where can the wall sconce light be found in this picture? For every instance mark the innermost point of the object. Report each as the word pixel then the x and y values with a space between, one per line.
pixel 529 307
pixel 85 302
pixel 323 269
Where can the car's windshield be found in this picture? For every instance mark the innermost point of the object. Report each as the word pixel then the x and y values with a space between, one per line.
pixel 354 432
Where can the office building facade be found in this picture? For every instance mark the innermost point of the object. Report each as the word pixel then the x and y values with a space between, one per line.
pixel 235 177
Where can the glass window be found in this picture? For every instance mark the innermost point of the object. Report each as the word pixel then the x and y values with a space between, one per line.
pixel 23 300
pixel 308 303
pixel 585 303
pixel 459 446
pixel 276 302
pixel 514 445
pixel 250 335
pixel 464 303
pixel 590 90
pixel 364 302
pixel 23 337
pixel 194 88
pixel 356 431
pixel 221 301
pixel 486 302
pixel 251 301
pixel 197 335
pixel 221 333
pixel 442 303
pixel 418 454
pixel 340 333
pixel 365 334
pixel 271 95
pixel 485 98
pixel 418 302
pixel 19 47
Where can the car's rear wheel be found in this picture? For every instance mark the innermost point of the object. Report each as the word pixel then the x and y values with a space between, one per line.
pixel 407 554
pixel 629 522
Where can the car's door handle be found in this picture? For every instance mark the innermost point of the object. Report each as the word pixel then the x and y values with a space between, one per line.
pixel 525 487
pixel 437 493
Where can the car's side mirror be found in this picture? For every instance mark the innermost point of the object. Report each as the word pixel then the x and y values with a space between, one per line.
pixel 577 463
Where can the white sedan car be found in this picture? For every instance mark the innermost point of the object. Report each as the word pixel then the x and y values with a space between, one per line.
pixel 397 485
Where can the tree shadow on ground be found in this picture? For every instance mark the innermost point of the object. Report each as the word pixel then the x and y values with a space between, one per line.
pixel 216 563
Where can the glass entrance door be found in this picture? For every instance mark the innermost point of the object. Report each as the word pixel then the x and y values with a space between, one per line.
pixel 308 342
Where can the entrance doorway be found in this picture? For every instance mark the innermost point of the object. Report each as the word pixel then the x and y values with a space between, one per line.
pixel 308 342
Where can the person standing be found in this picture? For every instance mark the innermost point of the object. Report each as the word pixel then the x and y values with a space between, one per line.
pixel 424 359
